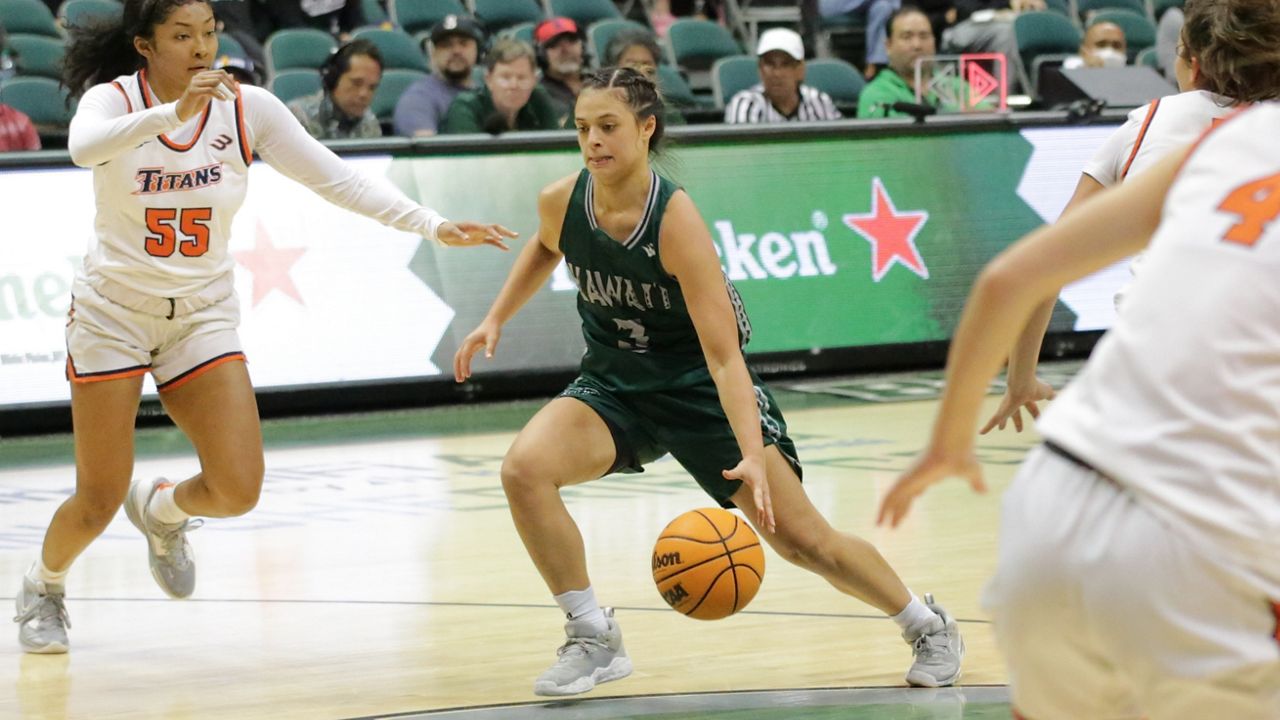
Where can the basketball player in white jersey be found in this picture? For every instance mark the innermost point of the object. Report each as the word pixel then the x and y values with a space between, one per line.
pixel 1227 57
pixel 170 142
pixel 1139 568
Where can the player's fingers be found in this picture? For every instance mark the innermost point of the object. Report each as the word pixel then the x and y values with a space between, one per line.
pixel 462 360
pixel 977 482
pixel 504 231
pixel 1017 420
pixel 490 344
pixel 1033 409
pixel 990 424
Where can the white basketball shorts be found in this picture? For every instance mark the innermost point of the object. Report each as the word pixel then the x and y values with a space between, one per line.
pixel 1102 611
pixel 114 331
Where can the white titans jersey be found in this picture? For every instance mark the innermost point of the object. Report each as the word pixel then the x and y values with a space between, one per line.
pixel 1153 131
pixel 165 207
pixel 1180 402
pixel 168 190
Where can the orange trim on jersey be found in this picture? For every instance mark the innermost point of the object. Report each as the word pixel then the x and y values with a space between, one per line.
pixel 243 129
pixel 127 102
pixel 172 145
pixel 1276 607
pixel 1017 715
pixel 199 370
pixel 75 377
pixel 1142 134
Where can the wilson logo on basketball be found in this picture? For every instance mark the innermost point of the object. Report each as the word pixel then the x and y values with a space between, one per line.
pixel 675 595
pixel 666 560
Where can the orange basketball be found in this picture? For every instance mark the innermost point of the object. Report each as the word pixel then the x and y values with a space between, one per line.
pixel 708 563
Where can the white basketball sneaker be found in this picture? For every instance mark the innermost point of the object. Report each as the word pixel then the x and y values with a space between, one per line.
pixel 937 654
pixel 585 659
pixel 172 561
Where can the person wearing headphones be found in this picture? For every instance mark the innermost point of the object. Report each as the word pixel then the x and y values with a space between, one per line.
pixel 454 49
pixel 349 78
pixel 561 58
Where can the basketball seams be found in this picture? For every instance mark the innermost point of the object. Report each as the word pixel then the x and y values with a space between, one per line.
pixel 728 553
pixel 707 572
pixel 700 563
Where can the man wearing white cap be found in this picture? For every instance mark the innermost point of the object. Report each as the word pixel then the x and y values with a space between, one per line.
pixel 780 96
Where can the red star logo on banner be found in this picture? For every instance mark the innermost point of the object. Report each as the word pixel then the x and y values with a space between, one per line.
pixel 270 266
pixel 892 234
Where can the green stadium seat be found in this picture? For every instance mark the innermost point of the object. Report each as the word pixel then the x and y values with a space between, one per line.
pixel 1087 8
pixel 87 12
pixel 399 51
pixel 675 89
pixel 29 17
pixel 292 84
pixel 522 32
pixel 585 12
pixel 730 75
pixel 601 32
pixel 498 15
pixel 394 82
pixel 1139 32
pixel 38 55
pixel 42 99
pixel 835 77
pixel 298 48
pixel 228 45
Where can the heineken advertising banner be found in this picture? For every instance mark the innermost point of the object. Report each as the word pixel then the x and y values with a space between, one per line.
pixel 832 243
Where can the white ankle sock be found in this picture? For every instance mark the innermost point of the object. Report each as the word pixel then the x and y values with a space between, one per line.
pixel 581 605
pixel 164 507
pixel 40 573
pixel 916 619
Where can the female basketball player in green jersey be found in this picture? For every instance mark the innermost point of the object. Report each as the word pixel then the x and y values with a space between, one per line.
pixel 664 372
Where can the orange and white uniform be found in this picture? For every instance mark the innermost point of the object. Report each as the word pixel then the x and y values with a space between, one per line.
pixel 155 293
pixel 1149 523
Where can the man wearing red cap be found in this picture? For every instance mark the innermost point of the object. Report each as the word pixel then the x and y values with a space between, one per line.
pixel 560 56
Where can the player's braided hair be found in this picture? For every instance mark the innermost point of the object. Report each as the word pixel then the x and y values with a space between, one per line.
pixel 639 92
pixel 1235 42
pixel 100 51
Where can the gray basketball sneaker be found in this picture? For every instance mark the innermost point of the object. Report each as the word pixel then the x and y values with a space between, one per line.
pixel 172 562
pixel 42 618
pixel 585 660
pixel 937 654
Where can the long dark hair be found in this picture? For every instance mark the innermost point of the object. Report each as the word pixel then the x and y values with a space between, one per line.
pixel 1235 42
pixel 639 92
pixel 100 51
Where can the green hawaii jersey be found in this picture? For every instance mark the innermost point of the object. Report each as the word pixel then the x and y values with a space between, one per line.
pixel 638 330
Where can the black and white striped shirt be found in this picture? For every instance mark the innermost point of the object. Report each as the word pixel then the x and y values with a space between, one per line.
pixel 753 106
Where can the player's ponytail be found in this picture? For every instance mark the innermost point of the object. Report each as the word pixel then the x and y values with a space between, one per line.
pixel 99 51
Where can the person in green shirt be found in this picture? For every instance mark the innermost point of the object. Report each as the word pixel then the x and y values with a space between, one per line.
pixel 910 37
pixel 510 98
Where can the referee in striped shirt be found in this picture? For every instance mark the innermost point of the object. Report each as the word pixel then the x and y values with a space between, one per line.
pixel 780 96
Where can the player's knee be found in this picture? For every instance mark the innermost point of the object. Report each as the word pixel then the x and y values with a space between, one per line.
pixel 802 547
pixel 97 509
pixel 237 492
pixel 521 476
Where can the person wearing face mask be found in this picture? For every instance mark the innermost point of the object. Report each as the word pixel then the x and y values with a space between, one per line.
pixel 1103 47
pixel 1219 69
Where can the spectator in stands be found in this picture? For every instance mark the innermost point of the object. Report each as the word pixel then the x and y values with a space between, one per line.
pixel 1103 46
pixel 242 69
pixel 349 79
pixel 665 12
pixel 985 26
pixel 454 49
pixel 875 15
pixel 1168 38
pixel 560 57
pixel 781 95
pixel 910 37
pixel 336 17
pixel 511 98
pixel 16 131
pixel 8 67
pixel 638 49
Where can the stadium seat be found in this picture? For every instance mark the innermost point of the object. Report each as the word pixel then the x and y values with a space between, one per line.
pixel 675 89
pixel 601 32
pixel 399 51
pixel 42 99
pixel 29 17
pixel 1062 7
pixel 1150 58
pixel 292 84
pixel 1042 33
pixel 298 48
pixel 498 15
pixel 729 75
pixel 835 77
pixel 1160 7
pixel 1087 8
pixel 86 12
pixel 373 13
pixel 414 16
pixel 38 55
pixel 585 12
pixel 394 81
pixel 522 31
pixel 695 45
pixel 228 45
pixel 1139 32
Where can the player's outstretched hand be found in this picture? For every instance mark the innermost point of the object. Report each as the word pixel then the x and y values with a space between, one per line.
pixel 930 468
pixel 486 336
pixel 1015 399
pixel 464 234
pixel 751 472
pixel 204 87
